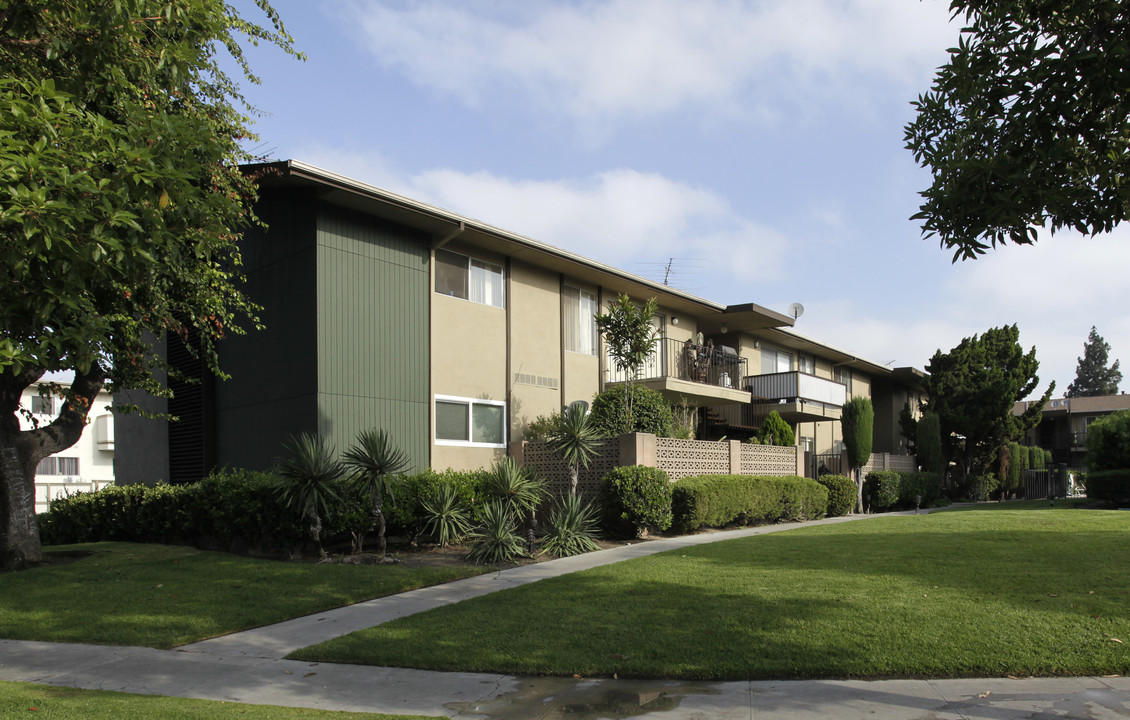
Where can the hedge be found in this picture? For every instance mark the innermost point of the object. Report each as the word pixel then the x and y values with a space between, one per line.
pixel 841 494
pixel 720 500
pixel 1110 485
pixel 881 489
pixel 636 498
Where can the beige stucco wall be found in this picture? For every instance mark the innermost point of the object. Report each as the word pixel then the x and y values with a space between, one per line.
pixel 468 359
pixel 535 345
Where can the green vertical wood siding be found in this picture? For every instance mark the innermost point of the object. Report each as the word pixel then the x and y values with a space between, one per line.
pixel 372 331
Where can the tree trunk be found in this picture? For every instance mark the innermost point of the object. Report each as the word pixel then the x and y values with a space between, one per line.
pixel 858 490
pixel 378 511
pixel 20 542
pixel 573 476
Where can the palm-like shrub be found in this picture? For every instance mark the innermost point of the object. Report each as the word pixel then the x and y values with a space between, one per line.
pixel 572 528
pixel 575 439
pixel 496 540
pixel 308 481
pixel 518 489
pixel 444 515
pixel 375 459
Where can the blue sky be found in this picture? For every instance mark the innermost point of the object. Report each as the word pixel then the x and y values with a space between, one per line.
pixel 758 143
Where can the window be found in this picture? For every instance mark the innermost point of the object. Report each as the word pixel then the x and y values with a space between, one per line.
pixel 806 364
pixel 470 279
pixel 580 325
pixel 463 421
pixel 843 375
pixel 58 466
pixel 42 405
pixel 775 361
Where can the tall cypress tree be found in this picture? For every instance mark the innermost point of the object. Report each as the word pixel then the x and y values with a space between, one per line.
pixel 1092 375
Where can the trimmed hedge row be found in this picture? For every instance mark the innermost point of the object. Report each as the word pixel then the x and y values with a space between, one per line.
pixel 891 490
pixel 634 499
pixel 720 500
pixel 1111 485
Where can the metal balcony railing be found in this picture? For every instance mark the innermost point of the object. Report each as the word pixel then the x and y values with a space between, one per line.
pixel 721 367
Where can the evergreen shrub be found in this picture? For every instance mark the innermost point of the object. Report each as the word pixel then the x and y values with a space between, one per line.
pixel 651 413
pixel 721 500
pixel 636 498
pixel 1110 485
pixel 1108 442
pixel 882 489
pixel 841 494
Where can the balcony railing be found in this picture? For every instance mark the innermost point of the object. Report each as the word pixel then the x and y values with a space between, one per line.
pixel 775 387
pixel 721 367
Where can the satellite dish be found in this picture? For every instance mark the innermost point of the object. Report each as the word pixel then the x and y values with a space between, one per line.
pixel 796 310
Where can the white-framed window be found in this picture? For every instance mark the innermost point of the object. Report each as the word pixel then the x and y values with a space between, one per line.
pixel 42 405
pixel 806 364
pixel 470 279
pixel 775 361
pixel 843 375
pixel 580 323
pixel 58 466
pixel 469 421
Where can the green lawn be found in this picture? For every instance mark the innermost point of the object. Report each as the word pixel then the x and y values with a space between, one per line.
pixel 44 702
pixel 1015 589
pixel 164 596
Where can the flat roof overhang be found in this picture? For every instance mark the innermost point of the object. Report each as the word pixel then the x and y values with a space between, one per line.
pixel 797 410
pixel 443 227
pixel 674 390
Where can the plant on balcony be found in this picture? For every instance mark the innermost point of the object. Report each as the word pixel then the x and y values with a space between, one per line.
pixel 651 413
pixel 576 440
pixel 775 431
pixel 631 339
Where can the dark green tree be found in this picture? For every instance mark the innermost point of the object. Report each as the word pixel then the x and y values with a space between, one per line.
pixel 1093 377
pixel 121 201
pixel 631 340
pixel 972 390
pixel 375 461
pixel 775 431
pixel 908 428
pixel 1108 443
pixel 928 442
pixel 858 420
pixel 1026 125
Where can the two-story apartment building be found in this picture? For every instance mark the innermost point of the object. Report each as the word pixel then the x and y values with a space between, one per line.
pixel 452 335
pixel 1064 423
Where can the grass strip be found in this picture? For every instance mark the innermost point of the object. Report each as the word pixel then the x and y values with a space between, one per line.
pixel 45 702
pixel 163 596
pixel 1013 590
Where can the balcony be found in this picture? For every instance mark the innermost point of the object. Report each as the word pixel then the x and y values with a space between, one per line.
pixel 702 375
pixel 796 396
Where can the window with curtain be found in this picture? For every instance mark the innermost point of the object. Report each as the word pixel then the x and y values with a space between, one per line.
pixel 580 326
pixel 470 279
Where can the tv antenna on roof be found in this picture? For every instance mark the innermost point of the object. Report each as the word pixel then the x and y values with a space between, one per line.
pixel 796 310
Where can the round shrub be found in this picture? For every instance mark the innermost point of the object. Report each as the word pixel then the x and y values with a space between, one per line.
pixel 636 498
pixel 651 413
pixel 881 489
pixel 1108 442
pixel 775 431
pixel 841 494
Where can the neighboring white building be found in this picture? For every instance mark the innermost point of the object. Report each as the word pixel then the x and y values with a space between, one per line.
pixel 87 465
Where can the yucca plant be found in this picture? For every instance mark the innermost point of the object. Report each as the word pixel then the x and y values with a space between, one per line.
pixel 572 528
pixel 496 540
pixel 308 480
pixel 575 440
pixel 519 489
pixel 446 518
pixel 375 459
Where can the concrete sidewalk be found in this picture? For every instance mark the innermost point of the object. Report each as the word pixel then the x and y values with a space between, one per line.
pixel 248 667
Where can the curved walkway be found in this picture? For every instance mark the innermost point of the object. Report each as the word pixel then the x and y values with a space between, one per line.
pixel 248 667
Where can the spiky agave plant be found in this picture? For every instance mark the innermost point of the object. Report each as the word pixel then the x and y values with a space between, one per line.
pixel 496 539
pixel 572 528
pixel 575 440
pixel 375 459
pixel 446 518
pixel 519 489
pixel 308 478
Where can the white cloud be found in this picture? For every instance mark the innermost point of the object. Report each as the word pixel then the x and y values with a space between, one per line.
pixel 602 63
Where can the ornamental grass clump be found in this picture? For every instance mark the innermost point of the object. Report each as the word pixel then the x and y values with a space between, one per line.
pixel 445 517
pixel 496 539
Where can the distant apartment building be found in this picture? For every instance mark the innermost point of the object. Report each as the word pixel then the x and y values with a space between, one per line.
pixel 1064 423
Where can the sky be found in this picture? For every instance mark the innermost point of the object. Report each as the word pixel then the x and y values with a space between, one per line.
pixel 755 146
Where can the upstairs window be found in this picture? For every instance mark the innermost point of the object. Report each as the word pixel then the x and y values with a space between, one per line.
pixel 43 404
pixel 58 466
pixel 843 375
pixel 470 279
pixel 775 361
pixel 580 325
pixel 806 364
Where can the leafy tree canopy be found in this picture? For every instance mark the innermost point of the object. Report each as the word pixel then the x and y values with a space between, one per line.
pixel 120 204
pixel 973 388
pixel 1093 377
pixel 1027 125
